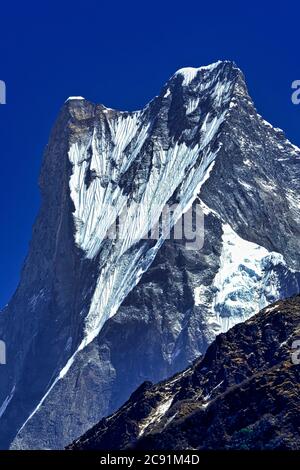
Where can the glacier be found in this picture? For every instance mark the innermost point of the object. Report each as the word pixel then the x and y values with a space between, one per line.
pixel 240 283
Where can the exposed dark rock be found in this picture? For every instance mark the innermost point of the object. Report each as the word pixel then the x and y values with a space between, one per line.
pixel 244 394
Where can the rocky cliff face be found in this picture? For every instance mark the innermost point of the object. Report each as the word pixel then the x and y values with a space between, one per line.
pixel 94 316
pixel 244 394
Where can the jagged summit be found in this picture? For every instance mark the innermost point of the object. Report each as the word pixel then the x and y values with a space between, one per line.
pixel 211 75
pixel 190 73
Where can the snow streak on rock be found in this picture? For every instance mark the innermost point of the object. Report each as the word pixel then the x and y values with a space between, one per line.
pixel 6 402
pixel 156 415
pixel 99 204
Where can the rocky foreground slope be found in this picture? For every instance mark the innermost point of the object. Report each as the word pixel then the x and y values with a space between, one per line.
pixel 243 394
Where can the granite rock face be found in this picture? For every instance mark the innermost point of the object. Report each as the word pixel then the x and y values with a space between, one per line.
pixel 243 394
pixel 95 316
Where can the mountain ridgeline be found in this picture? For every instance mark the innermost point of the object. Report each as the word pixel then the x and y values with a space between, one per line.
pixel 243 394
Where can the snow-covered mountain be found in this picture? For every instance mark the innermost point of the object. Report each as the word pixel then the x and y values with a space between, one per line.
pixel 94 315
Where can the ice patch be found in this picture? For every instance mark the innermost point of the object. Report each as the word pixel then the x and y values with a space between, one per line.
pixel 221 90
pixel 156 415
pixel 200 295
pixel 243 285
pixel 189 73
pixel 71 98
pixel 293 199
pixel 238 282
pixel 192 105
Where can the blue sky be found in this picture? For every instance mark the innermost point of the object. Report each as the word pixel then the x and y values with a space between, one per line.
pixel 120 54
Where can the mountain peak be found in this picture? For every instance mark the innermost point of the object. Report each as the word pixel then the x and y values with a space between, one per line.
pixel 71 98
pixel 190 73
pixel 162 302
